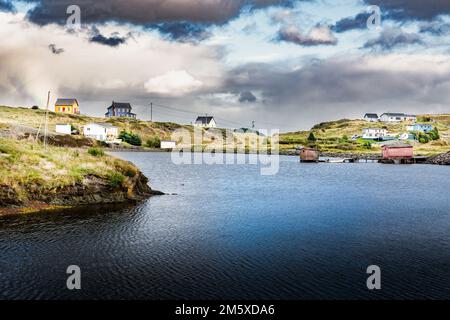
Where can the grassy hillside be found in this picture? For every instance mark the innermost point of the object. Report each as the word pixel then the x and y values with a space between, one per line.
pixel 13 117
pixel 30 175
pixel 33 118
pixel 331 136
pixel 335 136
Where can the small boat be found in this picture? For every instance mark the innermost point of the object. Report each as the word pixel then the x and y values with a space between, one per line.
pixel 336 161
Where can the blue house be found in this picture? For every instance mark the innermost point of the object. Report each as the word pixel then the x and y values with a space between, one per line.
pixel 120 109
pixel 426 128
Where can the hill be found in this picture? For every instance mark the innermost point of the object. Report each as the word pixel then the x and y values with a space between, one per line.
pixel 34 178
pixel 28 121
pixel 335 136
pixel 331 137
pixel 27 117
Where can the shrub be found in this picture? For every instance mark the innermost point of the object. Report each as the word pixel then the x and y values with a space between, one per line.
pixel 434 134
pixel 344 139
pixel 116 179
pixel 427 137
pixel 311 137
pixel 131 138
pixel 367 144
pixel 96 152
pixel 35 108
pixel 154 142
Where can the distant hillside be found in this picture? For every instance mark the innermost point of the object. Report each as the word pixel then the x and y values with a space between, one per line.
pixel 26 119
pixel 33 118
pixel 335 136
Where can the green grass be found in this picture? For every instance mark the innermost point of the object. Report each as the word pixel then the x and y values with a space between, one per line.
pixel 96 152
pixel 29 168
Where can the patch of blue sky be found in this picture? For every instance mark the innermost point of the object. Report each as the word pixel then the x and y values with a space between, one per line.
pixel 23 6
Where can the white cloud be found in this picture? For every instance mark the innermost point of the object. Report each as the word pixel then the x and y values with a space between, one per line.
pixel 96 74
pixel 174 83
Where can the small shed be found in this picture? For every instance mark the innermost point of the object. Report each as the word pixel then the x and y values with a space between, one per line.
pixel 397 151
pixel 309 155
pixel 63 128
pixel 168 144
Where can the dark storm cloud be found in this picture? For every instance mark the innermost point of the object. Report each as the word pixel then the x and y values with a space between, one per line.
pixel 247 96
pixel 412 9
pixel 183 31
pixel 147 12
pixel 351 23
pixel 113 41
pixel 342 88
pixel 390 38
pixel 54 49
pixel 6 5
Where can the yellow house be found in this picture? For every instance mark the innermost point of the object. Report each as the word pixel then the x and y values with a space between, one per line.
pixel 67 106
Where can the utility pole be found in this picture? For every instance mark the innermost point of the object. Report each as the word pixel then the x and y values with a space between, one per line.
pixel 46 122
pixel 151 111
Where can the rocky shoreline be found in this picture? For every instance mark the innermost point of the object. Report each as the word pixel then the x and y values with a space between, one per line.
pixel 442 159
pixel 92 190
pixel 36 178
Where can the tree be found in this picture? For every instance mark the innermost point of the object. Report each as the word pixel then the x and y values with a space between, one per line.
pixel 131 138
pixel 311 137
pixel 434 134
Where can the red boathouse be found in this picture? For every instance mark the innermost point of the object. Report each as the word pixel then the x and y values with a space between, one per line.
pixel 397 151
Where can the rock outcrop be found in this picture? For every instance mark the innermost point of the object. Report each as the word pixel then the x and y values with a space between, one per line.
pixel 442 159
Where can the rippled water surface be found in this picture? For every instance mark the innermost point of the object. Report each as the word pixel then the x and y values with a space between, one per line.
pixel 228 232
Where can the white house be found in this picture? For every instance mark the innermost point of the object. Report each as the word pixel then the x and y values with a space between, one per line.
pixel 426 128
pixel 205 122
pixel 63 128
pixel 101 131
pixel 168 144
pixel 374 133
pixel 371 117
pixel 397 117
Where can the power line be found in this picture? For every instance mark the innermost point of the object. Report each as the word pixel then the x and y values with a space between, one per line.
pixel 229 122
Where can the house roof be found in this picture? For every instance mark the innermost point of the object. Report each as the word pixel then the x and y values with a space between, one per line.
pixel 125 105
pixel 66 102
pixel 371 115
pixel 204 120
pixel 397 115
pixel 397 145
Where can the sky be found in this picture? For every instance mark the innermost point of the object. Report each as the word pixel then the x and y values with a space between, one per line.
pixel 285 64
